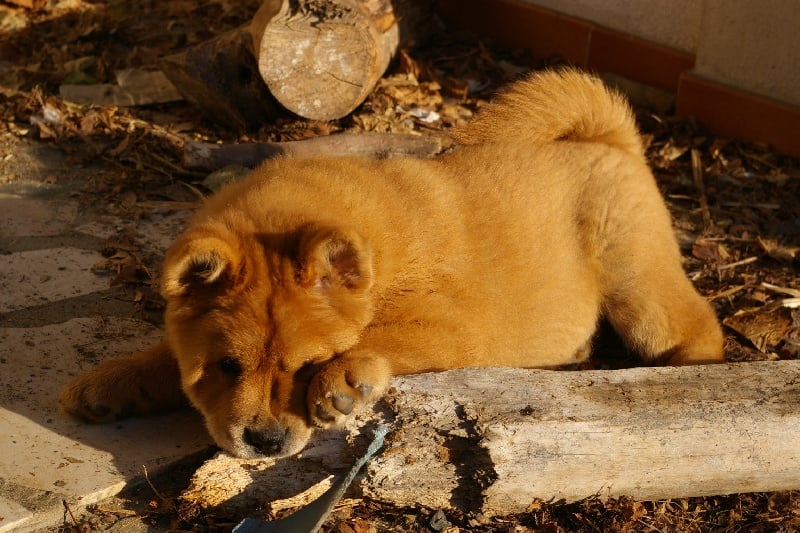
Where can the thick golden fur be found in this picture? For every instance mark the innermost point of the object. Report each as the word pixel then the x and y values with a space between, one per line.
pixel 295 294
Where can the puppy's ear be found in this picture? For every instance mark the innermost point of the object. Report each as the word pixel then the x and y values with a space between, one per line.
pixel 200 263
pixel 334 258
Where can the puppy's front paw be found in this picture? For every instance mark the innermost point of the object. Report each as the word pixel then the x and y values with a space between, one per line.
pixel 103 394
pixel 117 388
pixel 343 386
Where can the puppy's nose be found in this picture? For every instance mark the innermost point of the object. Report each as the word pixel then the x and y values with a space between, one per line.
pixel 267 441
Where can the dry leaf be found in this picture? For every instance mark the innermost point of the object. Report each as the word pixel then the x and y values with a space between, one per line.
pixel 765 327
pixel 785 254
pixel 126 266
pixel 710 250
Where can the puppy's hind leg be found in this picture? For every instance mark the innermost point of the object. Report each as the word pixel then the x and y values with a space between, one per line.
pixel 677 328
pixel 653 306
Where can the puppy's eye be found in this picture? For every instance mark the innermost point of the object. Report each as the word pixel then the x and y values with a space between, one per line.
pixel 230 366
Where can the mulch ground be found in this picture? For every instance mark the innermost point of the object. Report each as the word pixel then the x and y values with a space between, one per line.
pixel 736 208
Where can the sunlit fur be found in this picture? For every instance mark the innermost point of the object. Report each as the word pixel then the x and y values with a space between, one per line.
pixel 322 277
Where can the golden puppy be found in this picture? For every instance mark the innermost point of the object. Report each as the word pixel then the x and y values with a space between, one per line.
pixel 295 294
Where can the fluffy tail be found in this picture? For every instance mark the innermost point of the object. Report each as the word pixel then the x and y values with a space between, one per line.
pixel 563 104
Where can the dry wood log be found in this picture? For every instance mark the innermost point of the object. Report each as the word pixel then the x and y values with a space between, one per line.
pixel 220 77
pixel 321 58
pixel 318 58
pixel 208 156
pixel 497 440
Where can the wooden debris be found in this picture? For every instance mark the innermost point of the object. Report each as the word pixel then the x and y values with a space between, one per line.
pixel 697 174
pixel 496 440
pixel 730 291
pixel 134 87
pixel 209 156
pixel 781 290
pixel 736 264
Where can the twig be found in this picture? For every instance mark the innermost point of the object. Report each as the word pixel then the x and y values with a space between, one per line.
pixel 124 513
pixel 66 508
pixel 728 292
pixel 681 197
pixel 791 303
pixel 786 254
pixel 197 192
pixel 164 500
pixel 154 129
pixel 782 290
pixel 754 157
pixel 176 168
pixel 697 174
pixel 650 527
pixel 745 261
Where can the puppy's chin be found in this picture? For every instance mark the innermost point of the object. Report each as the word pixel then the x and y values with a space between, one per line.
pixel 232 441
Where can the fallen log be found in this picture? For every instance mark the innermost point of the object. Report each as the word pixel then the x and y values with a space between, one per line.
pixel 209 156
pixel 498 440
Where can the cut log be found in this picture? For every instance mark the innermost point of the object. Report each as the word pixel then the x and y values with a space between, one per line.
pixel 220 77
pixel 497 440
pixel 208 156
pixel 321 58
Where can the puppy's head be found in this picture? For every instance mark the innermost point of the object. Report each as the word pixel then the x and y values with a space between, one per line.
pixel 251 317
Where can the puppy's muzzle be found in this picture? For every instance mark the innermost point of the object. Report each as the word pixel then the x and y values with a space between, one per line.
pixel 268 441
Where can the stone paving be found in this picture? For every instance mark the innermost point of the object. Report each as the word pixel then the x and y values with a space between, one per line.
pixel 57 318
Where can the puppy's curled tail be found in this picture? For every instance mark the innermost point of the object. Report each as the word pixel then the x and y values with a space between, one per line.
pixel 562 104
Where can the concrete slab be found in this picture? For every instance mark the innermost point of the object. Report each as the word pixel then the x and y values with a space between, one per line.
pixel 21 216
pixel 162 228
pixel 12 514
pixel 29 166
pixel 48 456
pixel 58 318
pixel 32 277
